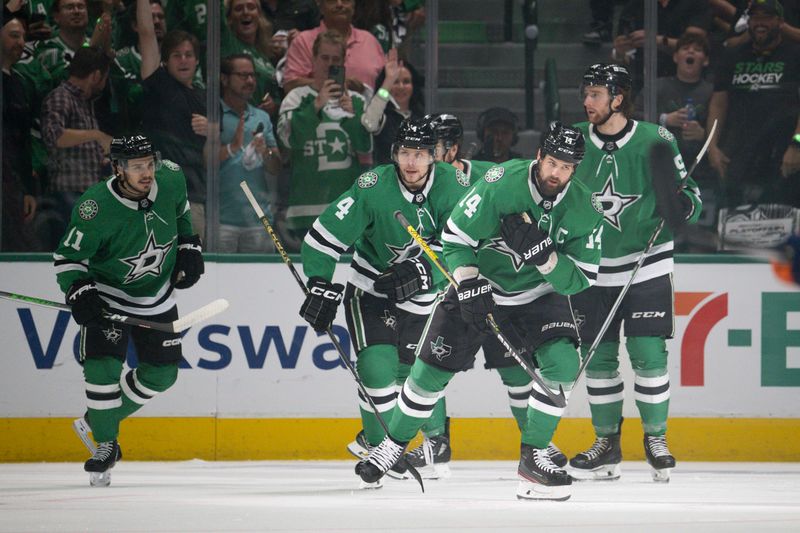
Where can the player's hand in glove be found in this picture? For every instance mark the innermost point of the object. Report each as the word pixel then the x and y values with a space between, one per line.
pixel 189 264
pixel 529 242
pixel 87 305
pixel 476 302
pixel 402 281
pixel 321 303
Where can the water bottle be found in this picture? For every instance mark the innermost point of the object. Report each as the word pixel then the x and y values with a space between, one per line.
pixel 691 112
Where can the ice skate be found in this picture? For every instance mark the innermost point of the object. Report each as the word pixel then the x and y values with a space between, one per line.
pixel 556 455
pixel 540 478
pixel 658 457
pixel 359 447
pixel 82 429
pixel 600 462
pixel 99 465
pixel 381 458
pixel 432 457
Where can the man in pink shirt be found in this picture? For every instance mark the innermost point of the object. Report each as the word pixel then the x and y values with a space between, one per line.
pixel 364 59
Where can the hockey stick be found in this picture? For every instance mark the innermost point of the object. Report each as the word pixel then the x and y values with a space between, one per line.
pixel 559 399
pixel 176 326
pixel 639 263
pixel 288 261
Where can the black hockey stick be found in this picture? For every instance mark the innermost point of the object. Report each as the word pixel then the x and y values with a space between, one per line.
pixel 559 399
pixel 176 326
pixel 657 164
pixel 342 356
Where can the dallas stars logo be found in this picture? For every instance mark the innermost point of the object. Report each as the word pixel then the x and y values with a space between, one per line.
pixel 389 320
pixel 439 349
pixel 112 334
pixel 148 261
pixel 615 203
pixel 499 245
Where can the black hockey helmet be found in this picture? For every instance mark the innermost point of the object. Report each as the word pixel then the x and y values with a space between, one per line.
pixel 133 147
pixel 415 133
pixel 615 78
pixel 448 129
pixel 563 143
pixel 497 114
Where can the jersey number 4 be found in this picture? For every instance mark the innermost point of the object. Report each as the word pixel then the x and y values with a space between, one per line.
pixel 344 206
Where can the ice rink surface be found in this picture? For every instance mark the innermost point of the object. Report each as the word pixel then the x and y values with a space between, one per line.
pixel 199 496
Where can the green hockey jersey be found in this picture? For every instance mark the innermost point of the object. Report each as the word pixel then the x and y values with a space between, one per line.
pixel 363 217
pixel 573 219
pixel 619 174
pixel 128 248
pixel 324 149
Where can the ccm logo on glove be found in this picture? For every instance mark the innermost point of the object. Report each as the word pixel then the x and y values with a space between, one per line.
pixel 328 294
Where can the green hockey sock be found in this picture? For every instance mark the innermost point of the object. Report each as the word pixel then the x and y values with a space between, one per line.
pixel 649 362
pixel 518 383
pixel 139 386
pixel 422 391
pixel 101 376
pixel 605 389
pixel 377 367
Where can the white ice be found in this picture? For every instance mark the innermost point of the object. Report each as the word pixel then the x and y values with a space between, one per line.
pixel 201 496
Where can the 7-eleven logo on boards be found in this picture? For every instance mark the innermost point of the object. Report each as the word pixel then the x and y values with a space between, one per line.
pixel 777 347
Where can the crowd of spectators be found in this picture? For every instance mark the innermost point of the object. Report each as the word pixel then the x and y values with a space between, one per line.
pixel 314 90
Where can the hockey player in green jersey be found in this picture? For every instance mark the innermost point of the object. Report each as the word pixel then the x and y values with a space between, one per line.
pixel 392 285
pixel 450 133
pixel 129 244
pixel 616 168
pixel 521 272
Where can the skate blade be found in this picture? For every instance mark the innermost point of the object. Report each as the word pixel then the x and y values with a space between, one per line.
pixel 82 430
pixel 435 471
pixel 397 475
pixel 371 486
pixel 601 473
pixel 358 451
pixel 661 475
pixel 535 491
pixel 100 479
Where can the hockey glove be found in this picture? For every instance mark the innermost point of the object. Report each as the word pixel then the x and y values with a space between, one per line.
pixel 476 302
pixel 402 281
pixel 87 305
pixel 529 242
pixel 189 264
pixel 321 303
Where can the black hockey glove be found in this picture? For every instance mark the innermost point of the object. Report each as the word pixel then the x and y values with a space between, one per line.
pixel 533 245
pixel 87 306
pixel 402 281
pixel 476 302
pixel 321 303
pixel 189 264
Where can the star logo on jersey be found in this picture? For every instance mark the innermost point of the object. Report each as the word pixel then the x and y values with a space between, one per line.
pixel 615 203
pixel 389 320
pixel 499 245
pixel 147 262
pixel 112 334
pixel 439 349
pixel 337 146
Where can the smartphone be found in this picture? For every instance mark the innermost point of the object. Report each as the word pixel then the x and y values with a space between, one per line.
pixel 336 73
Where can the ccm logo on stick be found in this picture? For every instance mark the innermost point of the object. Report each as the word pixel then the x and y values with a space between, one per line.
pixel 649 314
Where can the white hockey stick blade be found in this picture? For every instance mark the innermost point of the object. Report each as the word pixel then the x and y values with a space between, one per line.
pixel 200 315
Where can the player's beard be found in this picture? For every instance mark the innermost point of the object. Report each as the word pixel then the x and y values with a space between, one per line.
pixel 547 188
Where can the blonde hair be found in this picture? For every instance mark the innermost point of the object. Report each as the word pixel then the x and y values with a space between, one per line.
pixel 264 32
